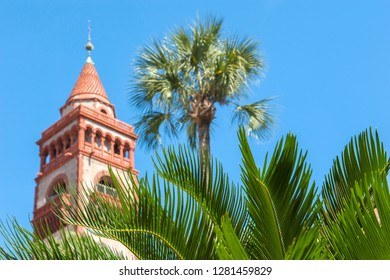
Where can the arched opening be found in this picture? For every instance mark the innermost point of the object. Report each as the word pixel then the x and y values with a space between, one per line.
pixel 46 157
pixel 57 189
pixel 106 186
pixel 126 151
pixel 59 146
pixel 53 152
pixel 88 135
pixel 74 138
pixel 107 143
pixel 117 145
pixel 103 111
pixel 68 141
pixel 98 139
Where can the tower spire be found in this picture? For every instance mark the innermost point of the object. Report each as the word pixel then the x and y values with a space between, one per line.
pixel 89 45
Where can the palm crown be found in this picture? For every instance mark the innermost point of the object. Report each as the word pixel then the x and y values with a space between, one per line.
pixel 179 80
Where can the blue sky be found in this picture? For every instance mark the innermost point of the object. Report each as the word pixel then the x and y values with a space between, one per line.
pixel 327 62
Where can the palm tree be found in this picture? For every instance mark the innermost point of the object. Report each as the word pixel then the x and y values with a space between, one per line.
pixel 275 214
pixel 179 81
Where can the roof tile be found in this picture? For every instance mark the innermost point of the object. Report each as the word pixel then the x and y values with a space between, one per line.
pixel 88 85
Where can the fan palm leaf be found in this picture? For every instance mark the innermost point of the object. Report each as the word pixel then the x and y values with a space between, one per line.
pixel 255 117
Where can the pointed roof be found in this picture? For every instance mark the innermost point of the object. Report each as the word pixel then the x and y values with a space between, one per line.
pixel 88 85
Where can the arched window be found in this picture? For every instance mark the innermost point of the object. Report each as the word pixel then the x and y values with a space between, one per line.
pixel 53 152
pixel 98 139
pixel 103 111
pixel 67 141
pixel 88 135
pixel 75 138
pixel 117 147
pixel 126 151
pixel 46 157
pixel 106 186
pixel 107 143
pixel 59 146
pixel 57 189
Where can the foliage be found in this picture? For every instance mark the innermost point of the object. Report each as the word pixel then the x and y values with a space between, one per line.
pixel 21 244
pixel 357 201
pixel 179 80
pixel 277 212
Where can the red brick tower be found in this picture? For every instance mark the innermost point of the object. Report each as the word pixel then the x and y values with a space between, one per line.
pixel 77 149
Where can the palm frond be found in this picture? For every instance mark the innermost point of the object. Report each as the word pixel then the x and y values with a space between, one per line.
pixel 206 34
pixel 66 245
pixel 244 51
pixel 256 117
pixel 196 63
pixel 309 245
pixel 266 237
pixel 356 200
pixel 228 244
pixel 285 195
pixel 156 75
pixel 363 155
pixel 216 194
pixel 183 42
pixel 153 124
pixel 152 220
pixel 362 227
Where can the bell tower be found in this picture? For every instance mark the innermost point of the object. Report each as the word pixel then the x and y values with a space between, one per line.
pixel 78 148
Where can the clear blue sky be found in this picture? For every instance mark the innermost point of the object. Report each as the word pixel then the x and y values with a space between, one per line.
pixel 326 61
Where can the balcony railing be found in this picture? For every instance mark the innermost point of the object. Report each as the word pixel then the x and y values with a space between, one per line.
pixel 107 190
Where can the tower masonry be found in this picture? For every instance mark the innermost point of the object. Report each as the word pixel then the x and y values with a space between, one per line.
pixel 77 149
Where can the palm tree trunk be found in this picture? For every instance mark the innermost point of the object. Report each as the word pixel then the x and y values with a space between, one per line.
pixel 204 138
pixel 203 111
pixel 204 153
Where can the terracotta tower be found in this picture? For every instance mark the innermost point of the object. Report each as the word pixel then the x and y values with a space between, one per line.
pixel 77 149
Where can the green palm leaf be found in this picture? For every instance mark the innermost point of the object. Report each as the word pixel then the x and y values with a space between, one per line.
pixel 215 193
pixel 155 123
pixel 281 200
pixel 190 71
pixel 362 228
pixel 363 155
pixel 228 245
pixel 356 200
pixel 150 214
pixel 256 118
pixel 68 245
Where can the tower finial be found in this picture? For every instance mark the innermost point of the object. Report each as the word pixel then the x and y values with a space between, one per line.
pixel 89 30
pixel 89 45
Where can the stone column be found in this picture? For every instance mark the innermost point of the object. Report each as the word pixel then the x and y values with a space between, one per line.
pixel 131 157
pixel 112 143
pixel 121 147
